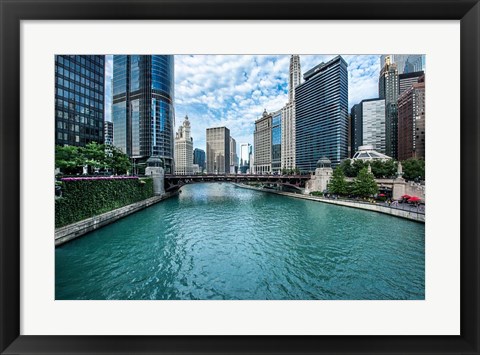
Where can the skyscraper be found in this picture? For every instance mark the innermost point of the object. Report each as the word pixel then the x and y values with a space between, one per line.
pixel 245 151
pixel 288 116
pixel 295 76
pixel 184 149
pixel 218 150
pixel 321 109
pixel 199 158
pixel 388 89
pixel 406 80
pixel 411 122
pixel 357 128
pixel 233 156
pixel 108 133
pixel 143 106
pixel 277 141
pixel 79 99
pixel 406 63
pixel 373 124
pixel 262 141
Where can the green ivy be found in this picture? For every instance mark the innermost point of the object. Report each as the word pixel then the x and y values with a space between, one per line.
pixel 83 199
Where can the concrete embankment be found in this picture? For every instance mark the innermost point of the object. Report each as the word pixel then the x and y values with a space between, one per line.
pixel 78 229
pixel 411 215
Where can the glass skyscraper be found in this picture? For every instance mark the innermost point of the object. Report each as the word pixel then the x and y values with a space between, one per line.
pixel 199 158
pixel 277 141
pixel 79 99
pixel 322 115
pixel 143 106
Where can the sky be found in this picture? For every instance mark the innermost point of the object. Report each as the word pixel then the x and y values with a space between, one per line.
pixel 234 90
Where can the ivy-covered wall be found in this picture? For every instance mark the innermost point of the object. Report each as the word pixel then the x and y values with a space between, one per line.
pixel 87 197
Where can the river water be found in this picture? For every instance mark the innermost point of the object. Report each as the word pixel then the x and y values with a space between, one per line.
pixel 218 241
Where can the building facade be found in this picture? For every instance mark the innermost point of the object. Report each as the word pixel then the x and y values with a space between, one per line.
pixel 357 128
pixel 143 106
pixel 218 150
pixel 411 122
pixel 277 141
pixel 184 149
pixel 288 116
pixel 108 133
pixel 373 124
pixel 79 99
pixel 321 115
pixel 406 80
pixel 199 158
pixel 233 156
pixel 406 63
pixel 388 89
pixel 245 153
pixel 262 141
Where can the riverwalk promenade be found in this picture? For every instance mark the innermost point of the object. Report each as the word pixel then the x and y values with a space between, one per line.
pixel 410 213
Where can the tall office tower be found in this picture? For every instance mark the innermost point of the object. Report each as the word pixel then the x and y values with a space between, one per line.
pixel 245 151
pixel 277 141
pixel 184 149
pixel 199 158
pixel 357 128
pixel 262 141
pixel 373 124
pixel 295 76
pixel 288 116
pixel 143 106
pixel 79 99
pixel 321 105
pixel 406 63
pixel 218 150
pixel 388 89
pixel 406 80
pixel 411 122
pixel 108 133
pixel 233 156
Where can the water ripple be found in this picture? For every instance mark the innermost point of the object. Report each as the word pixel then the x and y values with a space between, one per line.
pixel 218 241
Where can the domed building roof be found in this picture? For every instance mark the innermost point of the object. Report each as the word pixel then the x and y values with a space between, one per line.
pixel 155 161
pixel 367 153
pixel 324 162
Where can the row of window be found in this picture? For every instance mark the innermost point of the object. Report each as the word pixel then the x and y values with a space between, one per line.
pixel 84 76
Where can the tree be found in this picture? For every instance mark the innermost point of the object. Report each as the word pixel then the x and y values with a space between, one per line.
pixel 413 168
pixel 118 161
pixel 95 157
pixel 338 184
pixel 364 184
pixel 383 169
pixel 347 168
pixel 69 159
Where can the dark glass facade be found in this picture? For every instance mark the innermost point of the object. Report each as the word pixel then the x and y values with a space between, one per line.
pixel 79 99
pixel 277 141
pixel 357 128
pixel 143 106
pixel 199 158
pixel 322 115
pixel 388 87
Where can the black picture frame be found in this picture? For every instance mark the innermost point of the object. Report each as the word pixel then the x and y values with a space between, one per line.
pixel 13 12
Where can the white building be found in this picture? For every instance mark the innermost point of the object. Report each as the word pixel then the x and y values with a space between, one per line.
pixel 288 116
pixel 367 153
pixel 184 149
pixel 373 125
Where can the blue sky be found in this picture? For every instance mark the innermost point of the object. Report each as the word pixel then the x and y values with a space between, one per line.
pixel 233 90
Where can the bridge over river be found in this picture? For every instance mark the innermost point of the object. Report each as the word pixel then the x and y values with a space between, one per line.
pixel 174 182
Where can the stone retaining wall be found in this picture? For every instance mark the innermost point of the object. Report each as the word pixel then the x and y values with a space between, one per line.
pixel 414 216
pixel 75 230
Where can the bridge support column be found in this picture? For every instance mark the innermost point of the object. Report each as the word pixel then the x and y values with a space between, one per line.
pixel 158 176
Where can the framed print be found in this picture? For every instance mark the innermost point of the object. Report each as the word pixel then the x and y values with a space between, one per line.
pixel 165 232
